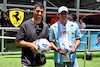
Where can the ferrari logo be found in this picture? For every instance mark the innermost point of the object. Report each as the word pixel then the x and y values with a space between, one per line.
pixel 16 16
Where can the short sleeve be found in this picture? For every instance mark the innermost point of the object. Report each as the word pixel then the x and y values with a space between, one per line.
pixel 47 33
pixel 51 34
pixel 84 25
pixel 21 34
pixel 78 33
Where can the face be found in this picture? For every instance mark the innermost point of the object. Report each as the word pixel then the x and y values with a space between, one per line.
pixel 80 20
pixel 4 15
pixel 38 13
pixel 63 16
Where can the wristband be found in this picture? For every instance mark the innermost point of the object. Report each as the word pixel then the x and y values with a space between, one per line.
pixel 75 47
pixel 50 41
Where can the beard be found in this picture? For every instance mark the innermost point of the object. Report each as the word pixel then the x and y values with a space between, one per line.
pixel 63 19
pixel 38 17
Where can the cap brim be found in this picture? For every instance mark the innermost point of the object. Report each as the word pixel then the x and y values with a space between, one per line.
pixel 63 11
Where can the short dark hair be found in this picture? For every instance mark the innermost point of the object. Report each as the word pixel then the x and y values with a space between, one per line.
pixel 80 18
pixel 39 4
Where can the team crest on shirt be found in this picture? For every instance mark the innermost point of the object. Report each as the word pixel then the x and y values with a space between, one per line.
pixel 72 28
pixel 16 16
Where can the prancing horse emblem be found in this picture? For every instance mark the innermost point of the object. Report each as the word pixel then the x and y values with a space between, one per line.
pixel 16 16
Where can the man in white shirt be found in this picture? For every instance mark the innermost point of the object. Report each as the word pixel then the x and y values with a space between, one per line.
pixel 81 24
pixel 61 31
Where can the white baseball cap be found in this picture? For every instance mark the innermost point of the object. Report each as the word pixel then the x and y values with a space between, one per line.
pixel 63 8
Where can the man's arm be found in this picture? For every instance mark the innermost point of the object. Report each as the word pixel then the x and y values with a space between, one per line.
pixel 77 43
pixel 57 49
pixel 28 44
pixel 53 46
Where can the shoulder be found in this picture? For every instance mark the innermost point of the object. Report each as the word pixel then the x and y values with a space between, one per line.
pixel 72 23
pixel 75 26
pixel 45 24
pixel 26 22
pixel 55 24
pixel 83 23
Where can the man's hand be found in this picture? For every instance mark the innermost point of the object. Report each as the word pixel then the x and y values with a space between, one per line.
pixel 57 49
pixel 61 52
pixel 74 50
pixel 33 47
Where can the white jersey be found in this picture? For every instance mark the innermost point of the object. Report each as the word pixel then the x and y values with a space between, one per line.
pixel 82 25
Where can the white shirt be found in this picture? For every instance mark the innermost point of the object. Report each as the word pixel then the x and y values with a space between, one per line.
pixel 82 25
pixel 75 22
pixel 64 30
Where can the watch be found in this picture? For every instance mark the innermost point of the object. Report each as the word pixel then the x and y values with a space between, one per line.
pixel 75 47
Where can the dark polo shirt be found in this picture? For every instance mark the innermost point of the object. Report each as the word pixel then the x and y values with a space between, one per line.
pixel 27 32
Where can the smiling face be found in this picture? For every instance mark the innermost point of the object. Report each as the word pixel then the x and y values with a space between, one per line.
pixel 38 13
pixel 63 16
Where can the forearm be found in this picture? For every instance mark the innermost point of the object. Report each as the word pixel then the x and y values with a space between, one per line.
pixel 53 46
pixel 23 43
pixel 28 44
pixel 77 43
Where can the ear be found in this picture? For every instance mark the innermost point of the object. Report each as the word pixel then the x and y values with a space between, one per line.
pixel 33 10
pixel 58 15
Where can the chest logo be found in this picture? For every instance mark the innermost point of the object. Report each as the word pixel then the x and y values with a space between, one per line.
pixel 72 28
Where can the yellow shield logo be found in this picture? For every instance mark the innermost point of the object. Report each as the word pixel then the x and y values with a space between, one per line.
pixel 16 16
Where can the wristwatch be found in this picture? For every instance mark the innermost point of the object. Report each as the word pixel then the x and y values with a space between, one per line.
pixel 75 47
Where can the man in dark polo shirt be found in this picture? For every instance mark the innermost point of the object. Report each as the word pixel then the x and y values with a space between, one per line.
pixel 29 32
